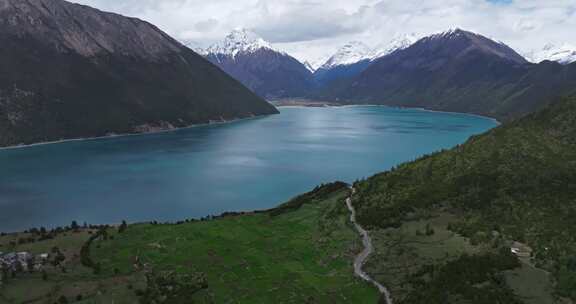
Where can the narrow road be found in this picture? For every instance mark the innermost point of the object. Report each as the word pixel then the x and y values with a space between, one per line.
pixel 361 259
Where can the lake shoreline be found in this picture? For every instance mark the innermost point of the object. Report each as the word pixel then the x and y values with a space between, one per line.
pixel 120 135
pixel 301 105
pixel 338 105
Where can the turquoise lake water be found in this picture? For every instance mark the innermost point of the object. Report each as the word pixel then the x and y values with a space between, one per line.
pixel 245 165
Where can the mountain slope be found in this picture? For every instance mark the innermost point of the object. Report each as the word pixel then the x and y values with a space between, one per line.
pixel 71 71
pixel 459 71
pixel 515 183
pixel 253 61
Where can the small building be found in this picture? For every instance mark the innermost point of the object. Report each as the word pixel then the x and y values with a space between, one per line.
pixel 521 250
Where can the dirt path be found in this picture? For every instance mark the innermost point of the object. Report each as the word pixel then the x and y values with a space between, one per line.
pixel 361 259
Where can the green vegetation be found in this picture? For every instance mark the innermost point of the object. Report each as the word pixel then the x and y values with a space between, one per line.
pixel 515 183
pixel 300 255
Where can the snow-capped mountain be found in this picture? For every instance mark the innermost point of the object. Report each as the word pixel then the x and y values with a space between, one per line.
pixel 564 54
pixel 253 61
pixel 350 53
pixel 349 61
pixel 354 57
pixel 455 70
pixel 397 43
pixel 240 41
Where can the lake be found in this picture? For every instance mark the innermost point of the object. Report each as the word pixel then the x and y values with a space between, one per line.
pixel 245 165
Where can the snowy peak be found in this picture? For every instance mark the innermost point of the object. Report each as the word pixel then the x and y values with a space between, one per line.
pixel 399 42
pixel 350 53
pixel 240 41
pixel 563 54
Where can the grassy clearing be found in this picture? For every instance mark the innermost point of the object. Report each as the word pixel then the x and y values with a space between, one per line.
pixel 402 252
pixel 423 247
pixel 532 285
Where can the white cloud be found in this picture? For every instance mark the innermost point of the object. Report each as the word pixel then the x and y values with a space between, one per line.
pixel 311 29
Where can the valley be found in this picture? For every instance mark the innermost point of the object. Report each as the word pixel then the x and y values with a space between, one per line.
pixel 156 159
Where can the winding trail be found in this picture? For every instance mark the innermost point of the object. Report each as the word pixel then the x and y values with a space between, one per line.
pixel 361 259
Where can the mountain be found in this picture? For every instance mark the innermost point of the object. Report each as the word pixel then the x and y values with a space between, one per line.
pixel 349 61
pixel 459 71
pixel 350 53
pixel 563 54
pixel 397 43
pixel 71 71
pixel 512 187
pixel 254 62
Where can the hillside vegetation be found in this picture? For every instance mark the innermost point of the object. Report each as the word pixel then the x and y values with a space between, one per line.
pixel 517 183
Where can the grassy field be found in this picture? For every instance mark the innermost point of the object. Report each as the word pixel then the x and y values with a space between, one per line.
pixel 301 255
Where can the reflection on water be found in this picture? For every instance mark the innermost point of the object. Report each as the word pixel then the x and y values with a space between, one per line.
pixel 246 165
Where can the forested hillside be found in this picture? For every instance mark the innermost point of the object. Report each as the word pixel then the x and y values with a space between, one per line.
pixel 517 183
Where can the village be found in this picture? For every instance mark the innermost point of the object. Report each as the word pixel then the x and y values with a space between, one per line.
pixel 13 263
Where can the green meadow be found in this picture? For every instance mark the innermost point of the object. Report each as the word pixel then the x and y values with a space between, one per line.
pixel 300 254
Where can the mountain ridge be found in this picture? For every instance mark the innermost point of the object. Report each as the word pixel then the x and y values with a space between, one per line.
pixel 458 71
pixel 268 72
pixel 71 71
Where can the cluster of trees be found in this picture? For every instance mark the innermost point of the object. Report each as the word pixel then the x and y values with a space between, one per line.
pixel 171 287
pixel 470 278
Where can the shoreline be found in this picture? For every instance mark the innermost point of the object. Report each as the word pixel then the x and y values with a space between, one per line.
pixel 325 106
pixel 395 107
pixel 131 134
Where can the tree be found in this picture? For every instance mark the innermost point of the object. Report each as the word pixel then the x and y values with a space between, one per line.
pixel 429 230
pixel 75 226
pixel 122 227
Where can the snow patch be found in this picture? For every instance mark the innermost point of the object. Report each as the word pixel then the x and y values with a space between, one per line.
pixel 240 41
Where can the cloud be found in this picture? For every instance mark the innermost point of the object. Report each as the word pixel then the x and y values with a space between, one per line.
pixel 312 29
pixel 206 25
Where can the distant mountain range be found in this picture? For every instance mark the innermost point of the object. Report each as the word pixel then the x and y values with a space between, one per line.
pixel 459 71
pixel 254 62
pixel 352 59
pixel 72 71
pixel 455 70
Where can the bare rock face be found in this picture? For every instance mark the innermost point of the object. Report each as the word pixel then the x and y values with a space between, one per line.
pixel 76 28
pixel 68 70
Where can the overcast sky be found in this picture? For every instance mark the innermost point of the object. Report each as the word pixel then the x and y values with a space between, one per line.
pixel 313 29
